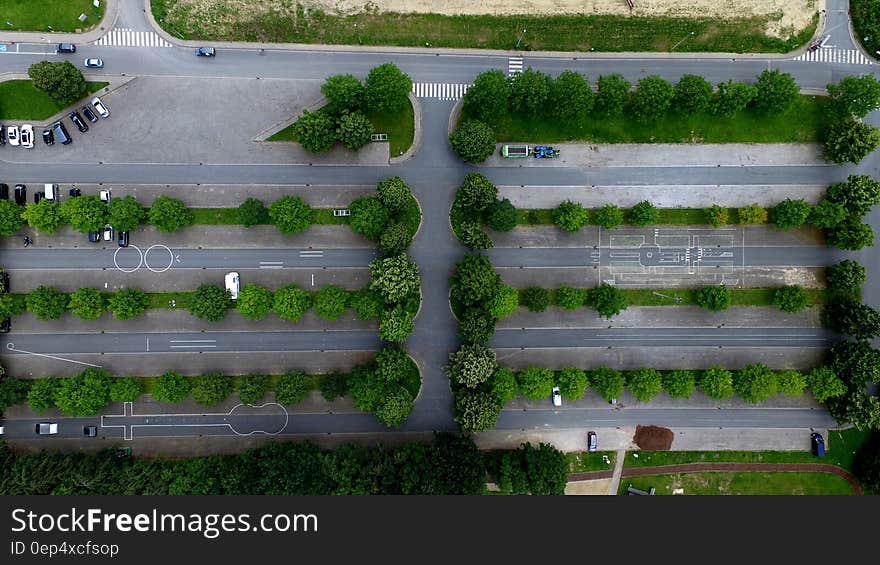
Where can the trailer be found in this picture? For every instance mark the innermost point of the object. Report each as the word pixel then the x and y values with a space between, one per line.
pixel 515 151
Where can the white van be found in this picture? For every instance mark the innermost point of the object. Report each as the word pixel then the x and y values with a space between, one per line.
pixel 51 191
pixel 232 284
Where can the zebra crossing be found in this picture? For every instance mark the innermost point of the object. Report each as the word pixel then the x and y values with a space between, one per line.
pixel 123 37
pixel 439 90
pixel 514 65
pixel 825 55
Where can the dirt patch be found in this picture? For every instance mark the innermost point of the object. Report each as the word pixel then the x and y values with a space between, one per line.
pixel 653 438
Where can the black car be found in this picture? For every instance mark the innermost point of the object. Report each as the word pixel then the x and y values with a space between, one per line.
pixel 74 192
pixel 38 196
pixel 65 48
pixel 123 239
pixel 4 191
pixel 4 281
pixel 5 325
pixel 20 194
pixel 94 236
pixel 78 121
pixel 90 116
pixel 48 137
pixel 61 133
pixel 2 134
pixel 90 431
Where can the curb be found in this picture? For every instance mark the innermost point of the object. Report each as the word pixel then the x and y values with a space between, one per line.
pixel 417 135
pixel 278 126
pixel 454 116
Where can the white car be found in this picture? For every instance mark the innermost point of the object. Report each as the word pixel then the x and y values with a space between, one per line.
pixel 12 135
pixel 105 196
pixel 108 233
pixel 557 397
pixel 232 284
pixel 100 108
pixel 46 429
pixel 27 136
pixel 93 63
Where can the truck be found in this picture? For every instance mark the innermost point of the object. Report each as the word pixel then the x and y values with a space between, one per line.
pixel 515 151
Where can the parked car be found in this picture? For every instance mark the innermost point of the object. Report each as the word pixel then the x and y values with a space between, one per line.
pixel 93 63
pixel 90 116
pixel 20 194
pixel 38 196
pixel 108 233
pixel 78 121
pixel 105 196
pixel 2 134
pixel 123 239
pixel 27 136
pixel 12 135
pixel 100 108
pixel 557 396
pixel 592 444
pixel 94 237
pixel 46 428
pixel 232 284
pixel 52 192
pixel 74 192
pixel 4 282
pixel 818 444
pixel 205 52
pixel 5 325
pixel 48 137
pixel 65 48
pixel 60 132
pixel 4 191
pixel 90 431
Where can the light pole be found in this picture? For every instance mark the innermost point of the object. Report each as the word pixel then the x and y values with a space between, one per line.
pixel 520 39
pixel 680 42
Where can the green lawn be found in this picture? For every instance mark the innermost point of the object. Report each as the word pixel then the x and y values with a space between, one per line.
pixel 559 33
pixel 803 122
pixel 48 15
pixel 665 216
pixel 19 100
pixel 743 483
pixel 228 216
pixel 583 461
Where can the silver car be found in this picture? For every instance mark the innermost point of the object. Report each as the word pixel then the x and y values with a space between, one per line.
pixel 100 108
pixel 93 63
pixel 46 429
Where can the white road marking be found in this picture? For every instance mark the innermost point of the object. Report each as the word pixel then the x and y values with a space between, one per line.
pixel 826 55
pixel 11 347
pixel 439 91
pixel 124 37
pixel 311 253
pixel 514 65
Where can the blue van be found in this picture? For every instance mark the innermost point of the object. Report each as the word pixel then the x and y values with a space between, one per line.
pixel 61 133
pixel 818 443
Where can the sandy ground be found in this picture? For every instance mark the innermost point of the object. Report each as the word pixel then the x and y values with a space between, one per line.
pixel 788 15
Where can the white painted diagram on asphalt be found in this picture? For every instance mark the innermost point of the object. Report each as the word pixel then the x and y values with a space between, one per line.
pixel 11 347
pixel 143 258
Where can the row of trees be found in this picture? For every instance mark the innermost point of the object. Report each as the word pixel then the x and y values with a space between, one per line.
pixel 391 217
pixel 342 119
pixel 49 303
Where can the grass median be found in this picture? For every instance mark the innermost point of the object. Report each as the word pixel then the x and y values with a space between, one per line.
pixel 665 216
pixel 49 15
pixel 19 100
pixel 742 483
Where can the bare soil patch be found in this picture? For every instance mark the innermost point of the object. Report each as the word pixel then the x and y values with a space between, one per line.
pixel 653 438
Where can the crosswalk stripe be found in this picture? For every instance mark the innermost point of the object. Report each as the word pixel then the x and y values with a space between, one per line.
pixel 439 90
pixel 124 37
pixel 849 56
pixel 514 65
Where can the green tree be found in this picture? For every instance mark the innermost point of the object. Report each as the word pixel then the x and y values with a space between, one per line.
pixel 331 302
pixel 473 141
pixel 570 216
pixel 502 383
pixel 792 298
pixel 344 93
pixel 546 469
pixel 368 217
pixel 854 319
pixel 12 391
pixel 476 192
pixel 488 98
pixel 476 411
pixel 41 395
pixel 471 366
pixel 652 98
pixel 212 388
pixel 791 382
pixel 755 383
pixel 845 277
pixel 608 300
pixel 850 235
pixel 775 92
pixel 44 216
pixel 387 89
pixel 502 215
pixel 125 389
pixel 85 214
pixel 854 96
pixel 790 214
pixel 354 130
pixel 529 92
pixel 571 97
pixel 210 302
pixel 717 383
pixel 827 214
pixel 396 324
pixel 254 301
pixel 714 298
pixel 394 278
pixel 693 94
pixel 535 383
pixel 394 194
pixel 395 408
pixel 503 302
pixel 474 280
pixel 645 384
pixel 643 214
pixel 333 386
pixel 85 394
pixel 171 388
pixel 290 214
pixel 125 214
pixel 752 214
pixel 679 383
pixel 866 463
pixel 572 382
pixel 609 216
pixel 858 194
pixel 395 239
pixel 607 382
pixel 824 384
pixel 87 303
pixel 252 389
pixel 46 303
pixel 252 212
pixel 476 326
pixel 570 298
pixel 367 304
pixel 535 298
pixel 291 302
pixel 612 94
pixel 63 82
pixel 293 387
pixel 849 141
pixel 471 235
pixel 315 131
pixel 716 216
pixel 169 214
pixel 856 362
pixel 732 97
pixel 128 303
pixel 11 219
pixel 857 408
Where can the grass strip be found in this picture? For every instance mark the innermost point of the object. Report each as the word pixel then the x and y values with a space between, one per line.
pixel 743 483
pixel 665 216
pixel 49 15
pixel 19 100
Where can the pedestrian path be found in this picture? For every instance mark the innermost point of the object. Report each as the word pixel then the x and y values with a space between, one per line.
pixel 124 37
pixel 439 90
pixel 514 65
pixel 851 56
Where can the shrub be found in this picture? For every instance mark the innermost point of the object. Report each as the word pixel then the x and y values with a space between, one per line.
pixel 535 383
pixel 609 216
pixel 570 298
pixel 570 216
pixel 693 94
pixel 612 94
pixel 535 298
pixel 367 304
pixel 716 216
pixel 290 214
pixel 755 383
pixel 210 302
pixel 752 214
pixel 291 302
pixel 643 214
pixel 169 214
pixel 41 395
pixel 502 216
pixel 529 91
pixel 652 98
pixel 679 383
pixel 607 382
pixel 395 239
pixel 714 298
pixel 254 301
pixel 732 97
pixel 503 384
pixel 488 98
pixel 645 384
pixel 87 303
pixel 504 302
pixel 609 301
pixel 849 141
pixel 791 382
pixel 790 214
pixel 331 302
pixel 354 130
pixel 343 92
pixel 252 388
pixel 212 388
pixel 46 303
pixel 791 298
pixel 292 388
pixel 252 212
pixel 572 382
pixel 128 303
pixel 473 141
pixel 315 131
pixel 368 217
pixel 171 388
pixel 717 383
pixel 125 389
pixel 387 88
pixel 333 386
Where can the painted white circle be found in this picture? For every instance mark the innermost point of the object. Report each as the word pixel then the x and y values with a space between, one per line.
pixel 170 258
pixel 10 345
pixel 140 258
